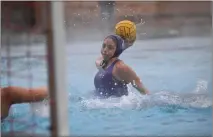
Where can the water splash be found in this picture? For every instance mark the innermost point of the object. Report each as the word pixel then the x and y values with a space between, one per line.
pixel 199 98
pixel 201 86
pixel 41 108
pixel 142 22
pixel 160 99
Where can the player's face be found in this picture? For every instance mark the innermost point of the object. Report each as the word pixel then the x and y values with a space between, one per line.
pixel 108 48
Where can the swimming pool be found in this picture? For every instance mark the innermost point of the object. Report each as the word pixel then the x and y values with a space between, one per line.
pixel 177 71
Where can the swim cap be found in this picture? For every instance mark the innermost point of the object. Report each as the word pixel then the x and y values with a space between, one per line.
pixel 119 44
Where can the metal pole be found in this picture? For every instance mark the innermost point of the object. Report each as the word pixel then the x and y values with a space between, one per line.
pixel 57 68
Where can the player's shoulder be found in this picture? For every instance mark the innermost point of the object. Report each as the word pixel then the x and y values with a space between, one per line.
pixel 121 66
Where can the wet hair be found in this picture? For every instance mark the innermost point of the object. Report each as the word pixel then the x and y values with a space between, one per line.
pixel 119 42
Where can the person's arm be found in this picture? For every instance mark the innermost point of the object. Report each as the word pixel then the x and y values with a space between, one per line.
pixel 25 95
pixel 124 72
pixel 128 43
pixel 13 95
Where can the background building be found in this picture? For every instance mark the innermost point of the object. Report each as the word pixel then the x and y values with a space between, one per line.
pixel 160 18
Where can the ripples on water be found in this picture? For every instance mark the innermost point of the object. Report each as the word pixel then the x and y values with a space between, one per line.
pixel 157 108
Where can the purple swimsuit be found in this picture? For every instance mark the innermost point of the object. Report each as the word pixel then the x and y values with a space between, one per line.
pixel 106 85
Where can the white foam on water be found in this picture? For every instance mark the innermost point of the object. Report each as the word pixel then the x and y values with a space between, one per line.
pixel 199 98
pixel 135 100
pixel 41 108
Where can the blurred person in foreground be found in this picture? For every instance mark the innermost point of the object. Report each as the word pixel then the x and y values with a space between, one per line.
pixel 15 95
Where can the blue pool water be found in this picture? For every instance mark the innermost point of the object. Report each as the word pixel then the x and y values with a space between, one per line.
pixel 178 73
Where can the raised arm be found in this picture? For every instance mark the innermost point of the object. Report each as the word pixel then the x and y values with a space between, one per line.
pixel 128 44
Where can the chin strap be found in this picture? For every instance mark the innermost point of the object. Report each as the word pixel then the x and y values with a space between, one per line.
pixel 104 63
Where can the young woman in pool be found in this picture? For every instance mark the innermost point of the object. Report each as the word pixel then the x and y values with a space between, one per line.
pixel 111 79
pixel 113 74
pixel 14 95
